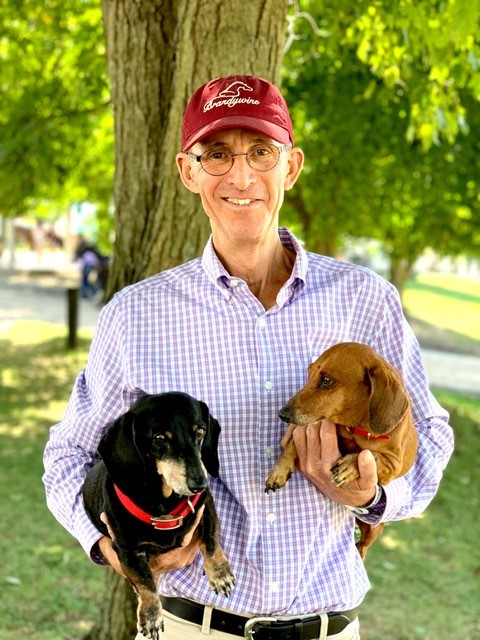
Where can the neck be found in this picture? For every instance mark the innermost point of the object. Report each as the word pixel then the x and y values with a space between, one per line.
pixel 265 267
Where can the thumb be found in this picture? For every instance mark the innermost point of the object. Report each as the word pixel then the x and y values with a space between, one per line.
pixel 367 467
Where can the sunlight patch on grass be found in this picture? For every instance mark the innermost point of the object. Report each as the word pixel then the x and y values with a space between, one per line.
pixel 445 301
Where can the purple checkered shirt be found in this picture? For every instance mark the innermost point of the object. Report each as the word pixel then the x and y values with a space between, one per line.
pixel 196 329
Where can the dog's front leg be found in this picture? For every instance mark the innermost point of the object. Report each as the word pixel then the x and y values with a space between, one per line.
pixel 216 565
pixel 149 611
pixel 284 468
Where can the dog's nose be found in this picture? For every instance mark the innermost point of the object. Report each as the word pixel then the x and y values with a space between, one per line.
pixel 285 413
pixel 197 484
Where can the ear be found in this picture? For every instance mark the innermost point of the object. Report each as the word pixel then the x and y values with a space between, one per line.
pixel 119 451
pixel 388 398
pixel 295 165
pixel 187 172
pixel 210 442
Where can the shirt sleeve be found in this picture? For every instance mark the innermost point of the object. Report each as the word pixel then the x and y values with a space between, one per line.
pixel 96 400
pixel 410 494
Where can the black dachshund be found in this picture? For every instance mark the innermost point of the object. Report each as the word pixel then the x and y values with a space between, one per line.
pixel 151 480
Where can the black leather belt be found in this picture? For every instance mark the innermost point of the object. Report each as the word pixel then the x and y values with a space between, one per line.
pixel 261 628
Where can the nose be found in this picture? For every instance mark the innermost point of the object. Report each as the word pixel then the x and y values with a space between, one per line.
pixel 196 481
pixel 285 413
pixel 241 175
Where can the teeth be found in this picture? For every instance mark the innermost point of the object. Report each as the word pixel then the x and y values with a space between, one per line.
pixel 238 201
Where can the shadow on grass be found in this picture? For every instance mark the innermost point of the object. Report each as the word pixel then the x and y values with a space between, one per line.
pixel 431 337
pixel 414 285
pixel 35 375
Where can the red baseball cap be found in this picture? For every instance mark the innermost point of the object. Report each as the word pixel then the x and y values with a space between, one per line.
pixel 246 102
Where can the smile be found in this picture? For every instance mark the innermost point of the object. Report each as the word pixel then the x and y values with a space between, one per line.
pixel 238 201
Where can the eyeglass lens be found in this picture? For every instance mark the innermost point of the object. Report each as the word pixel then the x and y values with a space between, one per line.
pixel 261 157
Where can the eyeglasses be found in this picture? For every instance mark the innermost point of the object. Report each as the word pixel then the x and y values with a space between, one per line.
pixel 261 157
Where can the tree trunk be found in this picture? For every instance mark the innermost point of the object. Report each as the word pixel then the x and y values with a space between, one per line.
pixel 118 616
pixel 400 272
pixel 158 53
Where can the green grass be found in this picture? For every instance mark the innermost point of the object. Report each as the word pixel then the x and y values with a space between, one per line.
pixel 50 590
pixel 444 310
pixel 424 571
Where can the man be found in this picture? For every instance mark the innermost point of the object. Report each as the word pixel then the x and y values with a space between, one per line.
pixel 237 329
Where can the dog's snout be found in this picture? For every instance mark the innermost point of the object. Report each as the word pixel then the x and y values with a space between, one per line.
pixel 196 482
pixel 285 413
pixel 196 487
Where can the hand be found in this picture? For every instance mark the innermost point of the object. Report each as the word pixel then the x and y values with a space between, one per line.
pixel 317 448
pixel 176 559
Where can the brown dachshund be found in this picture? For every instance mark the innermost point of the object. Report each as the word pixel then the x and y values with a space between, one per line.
pixel 351 385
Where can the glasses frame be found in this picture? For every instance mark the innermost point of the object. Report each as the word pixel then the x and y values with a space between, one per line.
pixel 280 148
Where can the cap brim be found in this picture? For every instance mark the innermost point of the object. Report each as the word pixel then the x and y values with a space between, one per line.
pixel 276 132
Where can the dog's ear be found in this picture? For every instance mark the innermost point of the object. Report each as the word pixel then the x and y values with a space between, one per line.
pixel 388 398
pixel 119 451
pixel 210 442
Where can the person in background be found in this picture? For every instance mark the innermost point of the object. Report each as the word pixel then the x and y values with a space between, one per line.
pixel 237 328
pixel 93 266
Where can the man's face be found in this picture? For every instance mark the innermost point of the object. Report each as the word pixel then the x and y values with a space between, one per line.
pixel 242 205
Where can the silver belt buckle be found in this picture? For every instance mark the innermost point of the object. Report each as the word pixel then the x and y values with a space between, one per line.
pixel 249 630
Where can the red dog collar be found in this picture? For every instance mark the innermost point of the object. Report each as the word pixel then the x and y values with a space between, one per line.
pixel 171 520
pixel 366 434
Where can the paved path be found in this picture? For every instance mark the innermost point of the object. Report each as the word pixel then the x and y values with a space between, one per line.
pixel 42 296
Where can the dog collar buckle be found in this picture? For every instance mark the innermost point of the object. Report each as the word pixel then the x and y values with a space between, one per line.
pixel 367 434
pixel 166 521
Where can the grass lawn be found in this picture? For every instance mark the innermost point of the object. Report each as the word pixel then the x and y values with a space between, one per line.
pixel 424 572
pixel 444 311
pixel 50 590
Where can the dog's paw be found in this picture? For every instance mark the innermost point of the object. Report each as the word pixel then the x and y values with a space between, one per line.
pixel 150 622
pixel 220 576
pixel 345 470
pixel 278 477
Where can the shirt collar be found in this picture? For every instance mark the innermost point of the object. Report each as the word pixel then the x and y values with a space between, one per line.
pixel 220 277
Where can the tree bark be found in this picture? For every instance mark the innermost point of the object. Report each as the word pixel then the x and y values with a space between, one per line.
pixel 158 53
pixel 118 615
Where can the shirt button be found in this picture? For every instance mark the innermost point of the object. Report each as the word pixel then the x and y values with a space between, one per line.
pixel 274 586
pixel 262 323
pixel 269 451
pixel 271 517
pixel 233 283
pixel 268 385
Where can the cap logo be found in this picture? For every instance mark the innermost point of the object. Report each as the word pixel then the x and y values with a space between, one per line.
pixel 230 96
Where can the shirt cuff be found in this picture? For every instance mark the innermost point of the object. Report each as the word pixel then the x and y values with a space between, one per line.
pixel 373 512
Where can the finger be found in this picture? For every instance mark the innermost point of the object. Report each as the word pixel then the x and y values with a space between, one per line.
pixel 309 448
pixel 299 436
pixel 367 467
pixel 329 441
pixel 104 519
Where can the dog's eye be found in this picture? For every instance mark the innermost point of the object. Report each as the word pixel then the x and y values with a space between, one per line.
pixel 326 382
pixel 159 438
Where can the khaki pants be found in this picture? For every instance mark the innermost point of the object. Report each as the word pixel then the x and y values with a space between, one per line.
pixel 179 629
